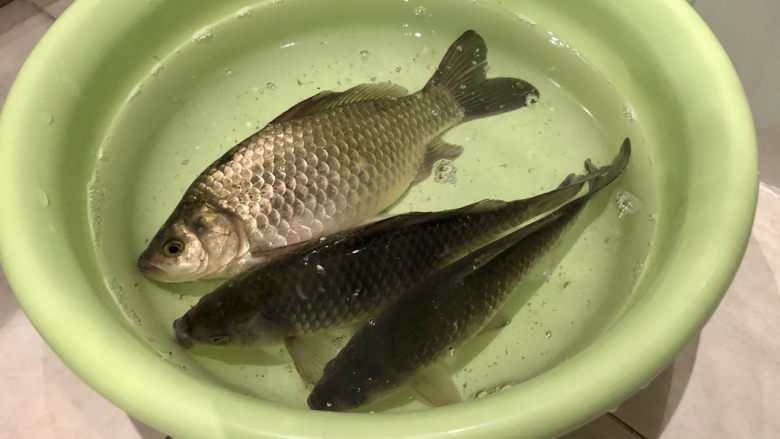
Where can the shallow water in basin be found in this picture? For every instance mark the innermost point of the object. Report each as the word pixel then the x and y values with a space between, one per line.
pixel 228 79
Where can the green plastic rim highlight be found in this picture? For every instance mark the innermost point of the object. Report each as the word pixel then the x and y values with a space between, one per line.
pixel 658 53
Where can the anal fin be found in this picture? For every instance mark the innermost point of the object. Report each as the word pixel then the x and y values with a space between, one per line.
pixel 438 149
pixel 435 385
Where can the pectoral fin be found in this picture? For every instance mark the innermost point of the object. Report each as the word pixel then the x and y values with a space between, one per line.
pixel 310 354
pixel 436 386
pixel 438 149
pixel 498 322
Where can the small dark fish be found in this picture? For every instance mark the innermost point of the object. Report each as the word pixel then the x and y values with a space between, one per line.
pixel 329 163
pixel 442 312
pixel 346 277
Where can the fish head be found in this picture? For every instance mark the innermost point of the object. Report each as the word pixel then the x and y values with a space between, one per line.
pixel 197 242
pixel 347 384
pixel 227 317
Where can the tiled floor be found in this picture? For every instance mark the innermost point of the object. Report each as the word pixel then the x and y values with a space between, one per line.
pixel 723 385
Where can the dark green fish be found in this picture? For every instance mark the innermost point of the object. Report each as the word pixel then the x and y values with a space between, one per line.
pixel 329 163
pixel 441 312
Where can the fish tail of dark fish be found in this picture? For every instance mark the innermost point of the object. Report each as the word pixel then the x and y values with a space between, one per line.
pixel 462 71
pixel 538 235
pixel 500 216
pixel 609 172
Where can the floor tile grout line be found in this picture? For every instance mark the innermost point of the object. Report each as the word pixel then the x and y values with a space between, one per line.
pixel 39 9
pixel 625 425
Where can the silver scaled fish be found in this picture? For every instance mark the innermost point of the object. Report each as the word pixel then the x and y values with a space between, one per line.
pixel 329 163
pixel 404 343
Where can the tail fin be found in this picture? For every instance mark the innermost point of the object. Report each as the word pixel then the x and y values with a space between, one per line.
pixel 609 172
pixel 462 71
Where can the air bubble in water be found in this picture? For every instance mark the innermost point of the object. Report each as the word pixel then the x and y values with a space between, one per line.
pixel 136 92
pixel 627 204
pixel 629 114
pixel 444 172
pixel 371 322
pixel 102 156
pixel 185 162
pixel 364 55
pixel 203 36
pixel 530 100
pixel 548 333
pixel 243 12
pixel 228 72
pixel 421 10
pixel 435 112
pixel 270 86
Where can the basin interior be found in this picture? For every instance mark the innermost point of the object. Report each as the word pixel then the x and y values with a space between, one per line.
pixel 226 80
pixel 161 96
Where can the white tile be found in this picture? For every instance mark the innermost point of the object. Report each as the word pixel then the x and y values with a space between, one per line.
pixel 750 34
pixel 605 427
pixel 58 7
pixel 726 382
pixel 15 13
pixel 49 401
pixel 17 43
pixel 42 3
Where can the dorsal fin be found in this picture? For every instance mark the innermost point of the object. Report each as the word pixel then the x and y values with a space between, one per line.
pixel 328 99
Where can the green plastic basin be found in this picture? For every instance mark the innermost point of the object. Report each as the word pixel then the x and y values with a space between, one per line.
pixel 122 104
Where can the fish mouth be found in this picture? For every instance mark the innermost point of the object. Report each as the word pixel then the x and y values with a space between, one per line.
pixel 149 267
pixel 182 329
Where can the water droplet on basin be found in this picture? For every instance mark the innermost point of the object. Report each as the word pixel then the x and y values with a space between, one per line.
pixel 157 69
pixel 421 10
pixel 43 196
pixel 228 72
pixel 270 86
pixel 243 12
pixel 203 36
pixel 364 55
pixel 136 92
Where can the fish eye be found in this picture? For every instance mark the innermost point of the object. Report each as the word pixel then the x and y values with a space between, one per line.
pixel 173 247
pixel 220 339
